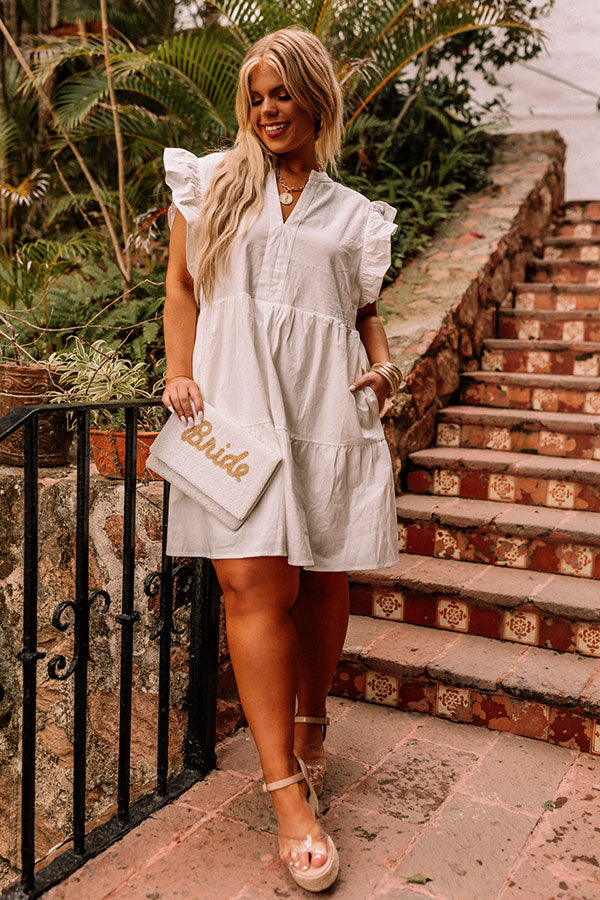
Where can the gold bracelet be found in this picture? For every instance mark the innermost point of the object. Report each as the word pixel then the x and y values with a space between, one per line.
pixel 390 372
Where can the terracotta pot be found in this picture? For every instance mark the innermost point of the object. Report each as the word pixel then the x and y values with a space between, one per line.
pixel 25 385
pixel 108 448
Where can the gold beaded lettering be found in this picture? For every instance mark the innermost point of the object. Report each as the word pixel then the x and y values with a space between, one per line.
pixel 195 436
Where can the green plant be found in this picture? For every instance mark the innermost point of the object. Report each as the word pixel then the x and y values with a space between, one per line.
pixel 95 373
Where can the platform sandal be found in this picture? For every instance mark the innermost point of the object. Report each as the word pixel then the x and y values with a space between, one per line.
pixel 316 842
pixel 317 766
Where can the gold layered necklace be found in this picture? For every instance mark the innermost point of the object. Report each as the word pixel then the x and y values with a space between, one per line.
pixel 286 196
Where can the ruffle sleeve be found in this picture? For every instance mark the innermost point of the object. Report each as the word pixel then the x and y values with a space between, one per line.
pixel 183 174
pixel 376 253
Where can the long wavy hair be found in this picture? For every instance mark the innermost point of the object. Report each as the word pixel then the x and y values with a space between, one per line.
pixel 235 192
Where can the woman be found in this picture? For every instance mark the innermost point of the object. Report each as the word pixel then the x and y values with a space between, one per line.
pixel 274 270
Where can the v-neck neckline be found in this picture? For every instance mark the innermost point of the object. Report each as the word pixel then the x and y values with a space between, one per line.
pixel 313 178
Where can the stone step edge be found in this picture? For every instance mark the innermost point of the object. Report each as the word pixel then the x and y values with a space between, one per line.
pixel 479 610
pixel 561 525
pixel 496 710
pixel 565 240
pixel 580 383
pixel 538 263
pixel 530 420
pixel 545 287
pixel 506 462
pixel 537 345
pixel 552 315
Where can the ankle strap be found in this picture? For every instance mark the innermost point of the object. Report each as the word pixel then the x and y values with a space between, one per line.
pixel 302 775
pixel 312 720
pixel 283 782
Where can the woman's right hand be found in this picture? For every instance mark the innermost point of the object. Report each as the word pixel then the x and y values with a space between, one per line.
pixel 182 396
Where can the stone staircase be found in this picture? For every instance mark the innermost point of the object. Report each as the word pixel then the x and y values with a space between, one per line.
pixel 500 526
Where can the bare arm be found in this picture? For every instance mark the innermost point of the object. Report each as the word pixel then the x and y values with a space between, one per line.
pixel 372 334
pixel 179 319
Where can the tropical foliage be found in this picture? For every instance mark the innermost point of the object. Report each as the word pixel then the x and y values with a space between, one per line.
pixel 87 108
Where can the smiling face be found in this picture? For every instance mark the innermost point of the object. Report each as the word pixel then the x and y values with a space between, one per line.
pixel 282 124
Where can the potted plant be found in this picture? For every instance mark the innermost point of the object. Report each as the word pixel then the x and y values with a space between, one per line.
pixel 28 333
pixel 97 373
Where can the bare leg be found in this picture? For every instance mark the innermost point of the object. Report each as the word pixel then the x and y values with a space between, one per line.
pixel 259 593
pixel 320 615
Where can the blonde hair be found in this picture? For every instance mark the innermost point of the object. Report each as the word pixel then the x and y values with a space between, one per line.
pixel 236 188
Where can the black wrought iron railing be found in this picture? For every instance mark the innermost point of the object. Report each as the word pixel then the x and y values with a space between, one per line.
pixel 196 582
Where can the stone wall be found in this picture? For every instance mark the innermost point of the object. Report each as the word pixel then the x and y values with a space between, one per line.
pixel 443 304
pixel 57 502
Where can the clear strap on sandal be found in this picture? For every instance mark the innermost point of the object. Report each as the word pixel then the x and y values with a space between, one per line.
pixel 315 843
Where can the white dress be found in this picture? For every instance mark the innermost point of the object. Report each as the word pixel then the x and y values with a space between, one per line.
pixel 277 351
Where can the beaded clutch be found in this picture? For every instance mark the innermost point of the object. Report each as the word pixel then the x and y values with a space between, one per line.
pixel 218 463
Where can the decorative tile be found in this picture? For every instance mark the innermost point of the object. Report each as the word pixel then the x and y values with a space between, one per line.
pixel 492 361
pixel 583 230
pixel 593 276
pixel 446 545
pixel 560 494
pixel 544 400
pixel 388 604
pixel 511 552
pixel 552 253
pixel 452 614
pixel 573 331
pixel 380 688
pixel 519 625
pixel 538 361
pixel 525 301
pixel 529 329
pixel 570 730
pixel 451 701
pixel 590 254
pixel 588 639
pixel 576 559
pixel 586 366
pixel 566 302
pixel 591 404
pixel 529 719
pixel 595 742
pixel 446 483
pixel 552 442
pixel 448 434
pixel 501 487
pixel 499 439
pixel 401 537
pixel 596 448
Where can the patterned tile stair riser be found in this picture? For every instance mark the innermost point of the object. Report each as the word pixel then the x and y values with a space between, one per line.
pixel 559 298
pixel 491 709
pixel 564 271
pixel 580 249
pixel 488 546
pixel 545 325
pixel 557 492
pixel 545 393
pixel 524 625
pixel 551 358
pixel 578 230
pixel 538 434
pixel 578 210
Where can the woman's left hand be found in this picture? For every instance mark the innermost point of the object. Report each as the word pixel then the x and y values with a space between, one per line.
pixel 380 385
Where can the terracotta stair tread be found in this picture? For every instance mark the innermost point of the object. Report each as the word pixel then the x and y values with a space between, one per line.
pixel 551 315
pixel 409 652
pixel 556 346
pixel 568 241
pixel 505 518
pixel 531 419
pixel 489 585
pixel 533 379
pixel 524 464
pixel 545 287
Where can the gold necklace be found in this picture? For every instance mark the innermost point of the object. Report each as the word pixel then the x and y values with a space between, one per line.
pixel 286 197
